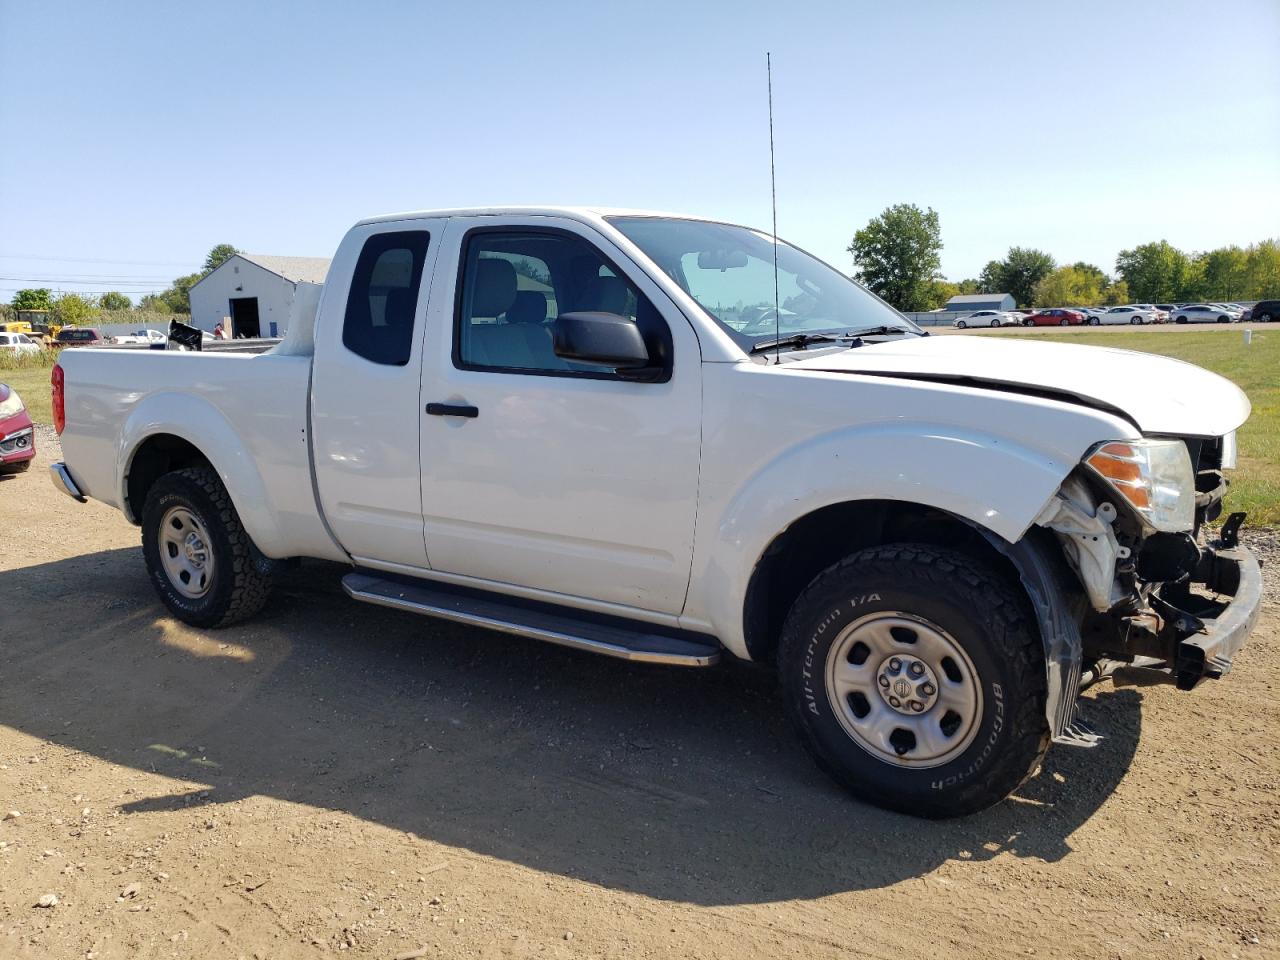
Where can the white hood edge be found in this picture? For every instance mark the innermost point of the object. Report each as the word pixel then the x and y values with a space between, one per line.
pixel 1159 394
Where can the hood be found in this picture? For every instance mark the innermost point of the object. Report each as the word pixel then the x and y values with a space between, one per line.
pixel 1158 394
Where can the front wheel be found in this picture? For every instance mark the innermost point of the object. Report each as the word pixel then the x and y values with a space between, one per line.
pixel 961 325
pixel 200 559
pixel 916 680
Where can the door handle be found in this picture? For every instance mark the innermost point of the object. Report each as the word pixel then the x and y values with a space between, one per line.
pixel 453 410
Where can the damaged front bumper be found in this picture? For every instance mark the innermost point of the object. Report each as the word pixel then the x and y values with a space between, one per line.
pixel 1212 614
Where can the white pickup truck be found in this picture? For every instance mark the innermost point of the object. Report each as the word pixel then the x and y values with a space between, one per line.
pixel 594 428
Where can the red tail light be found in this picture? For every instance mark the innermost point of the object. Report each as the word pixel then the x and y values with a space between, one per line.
pixel 58 379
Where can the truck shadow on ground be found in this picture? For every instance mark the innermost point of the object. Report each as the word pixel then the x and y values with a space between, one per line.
pixel 682 785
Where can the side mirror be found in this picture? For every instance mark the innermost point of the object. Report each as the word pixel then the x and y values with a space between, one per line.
pixel 605 339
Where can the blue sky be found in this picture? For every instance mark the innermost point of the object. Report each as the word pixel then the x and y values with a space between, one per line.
pixel 137 135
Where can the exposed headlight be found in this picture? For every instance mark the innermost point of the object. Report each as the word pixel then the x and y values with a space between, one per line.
pixel 11 404
pixel 1229 452
pixel 1155 476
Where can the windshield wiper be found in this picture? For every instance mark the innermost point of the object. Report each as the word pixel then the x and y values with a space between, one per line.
pixel 884 331
pixel 801 340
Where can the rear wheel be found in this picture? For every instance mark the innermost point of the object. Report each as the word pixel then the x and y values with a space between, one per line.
pixel 1093 321
pixel 1265 318
pixel 995 322
pixel 200 559
pixel 916 680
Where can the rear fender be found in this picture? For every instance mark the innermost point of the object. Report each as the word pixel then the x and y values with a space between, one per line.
pixel 204 426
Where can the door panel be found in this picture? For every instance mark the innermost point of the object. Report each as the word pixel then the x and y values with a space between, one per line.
pixel 576 486
pixel 365 406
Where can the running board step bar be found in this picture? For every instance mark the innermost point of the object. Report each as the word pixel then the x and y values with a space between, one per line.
pixel 610 636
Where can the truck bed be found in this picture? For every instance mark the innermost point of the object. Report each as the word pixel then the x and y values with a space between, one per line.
pixel 247 412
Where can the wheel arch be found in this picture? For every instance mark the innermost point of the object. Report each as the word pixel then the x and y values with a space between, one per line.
pixel 1034 565
pixel 166 432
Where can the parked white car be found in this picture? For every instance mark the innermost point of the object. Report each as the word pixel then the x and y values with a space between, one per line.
pixel 1203 313
pixel 938 541
pixel 143 337
pixel 989 318
pixel 18 343
pixel 1128 314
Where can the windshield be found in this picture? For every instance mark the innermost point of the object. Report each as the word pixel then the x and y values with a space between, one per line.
pixel 728 270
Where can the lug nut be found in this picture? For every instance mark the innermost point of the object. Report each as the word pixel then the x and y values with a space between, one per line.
pixel 928 689
pixel 895 664
pixel 917 668
pixel 895 702
pixel 884 681
pixel 917 706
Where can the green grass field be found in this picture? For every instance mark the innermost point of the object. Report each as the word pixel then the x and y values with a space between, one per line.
pixel 29 375
pixel 1256 368
pixel 1255 486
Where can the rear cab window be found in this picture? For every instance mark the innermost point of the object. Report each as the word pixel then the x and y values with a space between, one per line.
pixel 383 301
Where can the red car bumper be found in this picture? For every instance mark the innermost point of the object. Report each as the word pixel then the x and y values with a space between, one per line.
pixel 17 440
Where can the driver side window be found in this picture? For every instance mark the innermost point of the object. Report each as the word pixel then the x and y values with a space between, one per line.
pixel 514 284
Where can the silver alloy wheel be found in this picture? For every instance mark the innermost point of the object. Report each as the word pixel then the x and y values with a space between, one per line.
pixel 185 552
pixel 904 689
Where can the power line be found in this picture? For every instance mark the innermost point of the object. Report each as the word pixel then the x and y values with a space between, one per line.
pixel 91 281
pixel 132 263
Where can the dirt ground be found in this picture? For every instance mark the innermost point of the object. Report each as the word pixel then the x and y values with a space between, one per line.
pixel 333 777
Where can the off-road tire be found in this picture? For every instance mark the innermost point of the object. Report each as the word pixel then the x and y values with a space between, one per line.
pixel 240 584
pixel 985 615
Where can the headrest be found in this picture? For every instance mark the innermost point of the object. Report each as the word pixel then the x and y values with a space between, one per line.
pixel 495 288
pixel 530 307
pixel 606 294
pixel 399 307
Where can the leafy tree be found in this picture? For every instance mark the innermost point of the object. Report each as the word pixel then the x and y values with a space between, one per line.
pixel 111 300
pixel 1019 272
pixel 1070 287
pixel 991 278
pixel 897 254
pixel 1262 270
pixel 1093 271
pixel 178 296
pixel 71 309
pixel 1158 271
pixel 938 292
pixel 154 303
pixel 1116 294
pixel 218 256
pixel 39 298
pixel 967 286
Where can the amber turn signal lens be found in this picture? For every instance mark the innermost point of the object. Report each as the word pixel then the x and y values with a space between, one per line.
pixel 1122 465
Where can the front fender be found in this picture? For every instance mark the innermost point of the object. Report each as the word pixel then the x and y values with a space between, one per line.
pixel 206 428
pixel 996 484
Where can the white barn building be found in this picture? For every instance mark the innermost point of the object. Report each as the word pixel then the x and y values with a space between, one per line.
pixel 252 294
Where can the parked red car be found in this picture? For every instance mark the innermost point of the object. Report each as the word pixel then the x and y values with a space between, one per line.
pixel 1054 318
pixel 17 438
pixel 80 337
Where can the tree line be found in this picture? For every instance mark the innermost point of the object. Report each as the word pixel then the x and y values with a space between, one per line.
pixel 70 309
pixel 898 256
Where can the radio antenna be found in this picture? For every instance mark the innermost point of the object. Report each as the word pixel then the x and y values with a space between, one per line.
pixel 773 193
